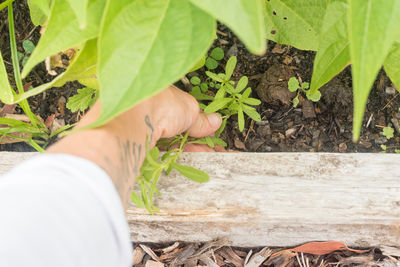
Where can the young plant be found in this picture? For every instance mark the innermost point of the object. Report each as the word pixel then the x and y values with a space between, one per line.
pixel 294 86
pixel 83 100
pixel 231 98
pixel 212 60
pixel 154 165
pixel 28 47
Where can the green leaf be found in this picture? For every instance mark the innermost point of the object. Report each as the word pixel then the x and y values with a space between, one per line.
pixel 315 97
pixel 243 17
pixel 152 36
pixel 334 52
pixel 28 46
pixel 218 141
pixel 295 22
pixel 191 173
pixel 305 85
pixel 392 65
pixel 240 118
pixel 24 60
pixel 154 153
pixel 242 83
pixel 80 8
pixel 214 76
pixel 204 87
pixel 209 141
pixel 230 67
pixel 217 104
pixel 199 64
pixel 221 128
pixel 246 93
pixel 84 99
pixel 82 67
pixel 211 63
pixel 373 28
pixel 39 10
pixel 293 84
pixel 252 101
pixel 43 5
pixel 388 132
pixel 195 80
pixel 220 93
pixel 196 92
pixel 63 32
pixel 6 91
pixel 296 101
pixel 217 53
pixel 252 113
pixel 136 199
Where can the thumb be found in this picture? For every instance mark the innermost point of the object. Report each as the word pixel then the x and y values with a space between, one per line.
pixel 205 125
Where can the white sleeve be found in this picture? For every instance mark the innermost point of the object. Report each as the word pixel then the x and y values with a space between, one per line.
pixel 61 210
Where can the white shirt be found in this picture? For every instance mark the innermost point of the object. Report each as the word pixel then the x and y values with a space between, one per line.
pixel 60 210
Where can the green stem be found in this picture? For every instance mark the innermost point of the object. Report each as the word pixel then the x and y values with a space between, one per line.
pixel 17 74
pixel 5 4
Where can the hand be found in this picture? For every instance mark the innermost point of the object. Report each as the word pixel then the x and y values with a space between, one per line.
pixel 119 146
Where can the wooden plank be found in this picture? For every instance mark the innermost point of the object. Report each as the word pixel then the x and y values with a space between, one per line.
pixel 275 199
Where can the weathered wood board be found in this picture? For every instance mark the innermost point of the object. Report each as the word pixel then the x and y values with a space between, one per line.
pixel 274 199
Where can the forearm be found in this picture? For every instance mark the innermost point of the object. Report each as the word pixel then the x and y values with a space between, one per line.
pixel 119 155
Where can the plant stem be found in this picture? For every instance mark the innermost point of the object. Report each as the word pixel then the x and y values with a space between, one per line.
pixel 5 4
pixel 17 74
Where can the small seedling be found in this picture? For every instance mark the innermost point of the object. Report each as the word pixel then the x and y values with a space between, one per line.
pixel 294 85
pixel 83 100
pixel 388 132
pixel 28 47
pixel 154 165
pixel 212 60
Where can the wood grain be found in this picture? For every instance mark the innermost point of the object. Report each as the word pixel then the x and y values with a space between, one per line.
pixel 274 199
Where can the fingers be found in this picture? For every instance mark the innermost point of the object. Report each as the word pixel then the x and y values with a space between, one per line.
pixel 205 125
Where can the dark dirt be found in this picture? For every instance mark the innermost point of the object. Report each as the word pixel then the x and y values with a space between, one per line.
pixel 325 126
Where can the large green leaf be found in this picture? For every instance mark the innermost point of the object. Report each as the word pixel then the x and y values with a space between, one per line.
pixel 373 28
pixel 392 65
pixel 145 46
pixel 43 5
pixel 63 32
pixel 295 22
pixel 333 53
pixel 39 10
pixel 6 92
pixel 83 66
pixel 244 17
pixel 80 7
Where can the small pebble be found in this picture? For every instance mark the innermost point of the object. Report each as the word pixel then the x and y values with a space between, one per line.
pixel 381 140
pixel 390 90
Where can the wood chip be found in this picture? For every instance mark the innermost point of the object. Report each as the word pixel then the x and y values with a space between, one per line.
pixel 390 251
pixel 290 132
pixel 231 257
pixel 308 110
pixel 150 252
pixel 259 258
pixel 209 262
pixel 19 117
pixel 138 254
pixel 151 263
pixel 170 248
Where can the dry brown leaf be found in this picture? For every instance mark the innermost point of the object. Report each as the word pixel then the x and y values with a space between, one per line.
pixel 321 248
pixel 358 260
pixel 49 121
pixel 19 117
pixel 10 140
pixel 259 257
pixel 138 254
pixel 239 144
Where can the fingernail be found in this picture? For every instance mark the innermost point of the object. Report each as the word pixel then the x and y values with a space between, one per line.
pixel 214 119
